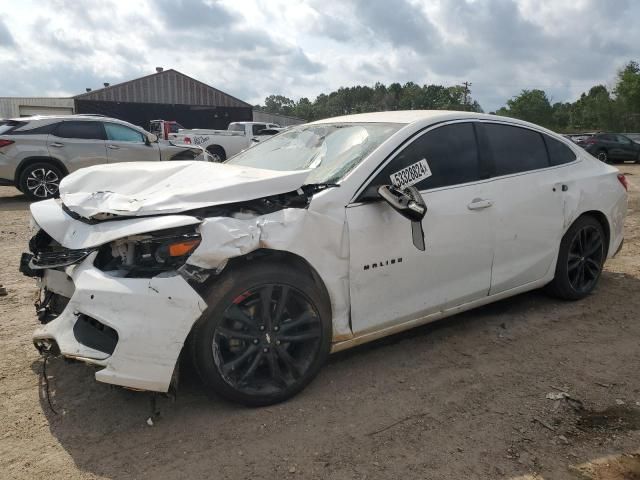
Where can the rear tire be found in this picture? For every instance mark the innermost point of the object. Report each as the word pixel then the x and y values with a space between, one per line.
pixel 580 260
pixel 602 156
pixel 217 154
pixel 40 181
pixel 264 336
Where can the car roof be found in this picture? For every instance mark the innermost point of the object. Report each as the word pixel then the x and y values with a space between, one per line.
pixel 61 117
pixel 88 117
pixel 428 117
pixel 413 116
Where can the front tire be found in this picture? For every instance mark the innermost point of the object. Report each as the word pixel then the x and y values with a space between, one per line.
pixel 40 181
pixel 580 260
pixel 265 335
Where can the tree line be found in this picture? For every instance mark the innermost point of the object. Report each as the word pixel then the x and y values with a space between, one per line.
pixel 361 99
pixel 615 109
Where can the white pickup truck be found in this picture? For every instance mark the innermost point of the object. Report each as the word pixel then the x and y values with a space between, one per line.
pixel 222 144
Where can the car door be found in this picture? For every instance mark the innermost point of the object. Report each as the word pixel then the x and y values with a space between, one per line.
pixel 529 204
pixel 256 130
pixel 614 149
pixel 78 144
pixel 628 148
pixel 124 144
pixel 391 281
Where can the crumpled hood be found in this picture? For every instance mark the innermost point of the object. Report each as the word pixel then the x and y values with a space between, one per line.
pixel 152 188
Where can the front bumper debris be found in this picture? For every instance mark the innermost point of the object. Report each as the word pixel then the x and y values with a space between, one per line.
pixel 133 327
pixel 25 266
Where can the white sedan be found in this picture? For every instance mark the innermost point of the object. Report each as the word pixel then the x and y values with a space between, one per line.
pixel 326 236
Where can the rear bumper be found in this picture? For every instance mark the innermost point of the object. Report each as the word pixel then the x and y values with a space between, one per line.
pixel 133 327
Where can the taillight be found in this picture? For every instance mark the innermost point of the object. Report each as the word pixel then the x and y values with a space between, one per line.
pixel 4 143
pixel 187 140
pixel 623 180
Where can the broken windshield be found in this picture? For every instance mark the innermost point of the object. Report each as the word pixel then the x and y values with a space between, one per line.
pixel 329 150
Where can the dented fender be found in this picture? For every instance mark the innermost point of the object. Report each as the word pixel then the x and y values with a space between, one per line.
pixel 320 239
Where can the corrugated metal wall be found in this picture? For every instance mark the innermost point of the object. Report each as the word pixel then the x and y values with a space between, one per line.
pixel 10 106
pixel 188 116
pixel 282 120
pixel 168 87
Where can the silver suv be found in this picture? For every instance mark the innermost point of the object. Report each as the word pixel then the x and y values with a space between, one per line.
pixel 37 152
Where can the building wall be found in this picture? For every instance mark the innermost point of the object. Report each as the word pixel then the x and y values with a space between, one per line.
pixel 13 107
pixel 282 120
pixel 189 116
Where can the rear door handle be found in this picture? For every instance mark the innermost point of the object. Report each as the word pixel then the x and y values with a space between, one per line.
pixel 479 204
pixel 113 147
pixel 56 144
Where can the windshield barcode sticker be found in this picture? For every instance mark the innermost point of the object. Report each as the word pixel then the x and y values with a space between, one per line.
pixel 411 175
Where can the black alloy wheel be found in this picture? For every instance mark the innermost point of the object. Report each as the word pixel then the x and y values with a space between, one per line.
pixel 267 340
pixel 265 335
pixel 216 154
pixel 584 263
pixel 602 156
pixel 581 257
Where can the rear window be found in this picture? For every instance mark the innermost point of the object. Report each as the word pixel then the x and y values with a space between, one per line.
pixel 257 128
pixel 81 130
pixel 559 153
pixel 515 149
pixel 236 127
pixel 7 125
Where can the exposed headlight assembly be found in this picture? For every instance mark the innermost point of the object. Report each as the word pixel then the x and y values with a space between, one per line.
pixel 149 254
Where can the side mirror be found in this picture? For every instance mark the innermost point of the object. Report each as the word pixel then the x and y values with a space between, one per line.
pixel 410 204
pixel 151 138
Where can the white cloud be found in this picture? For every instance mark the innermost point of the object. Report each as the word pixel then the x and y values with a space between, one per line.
pixel 255 48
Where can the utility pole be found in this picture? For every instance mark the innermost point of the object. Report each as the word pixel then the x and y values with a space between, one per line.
pixel 467 91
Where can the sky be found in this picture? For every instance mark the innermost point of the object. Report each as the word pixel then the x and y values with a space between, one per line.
pixel 301 48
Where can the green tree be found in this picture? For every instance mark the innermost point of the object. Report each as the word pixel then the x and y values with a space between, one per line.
pixel 531 105
pixel 278 104
pixel 595 110
pixel 627 91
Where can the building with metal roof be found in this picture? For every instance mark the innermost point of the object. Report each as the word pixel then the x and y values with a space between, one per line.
pixel 165 94
pixel 168 95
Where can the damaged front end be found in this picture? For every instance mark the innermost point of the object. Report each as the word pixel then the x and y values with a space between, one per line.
pixel 122 305
pixel 123 292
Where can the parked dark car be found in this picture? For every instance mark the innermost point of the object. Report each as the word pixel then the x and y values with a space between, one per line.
pixel 612 147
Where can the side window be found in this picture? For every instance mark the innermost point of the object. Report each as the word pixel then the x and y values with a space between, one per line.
pixel 450 153
pixel 559 153
pixel 256 128
pixel 42 130
pixel 623 139
pixel 120 133
pixel 81 130
pixel 515 149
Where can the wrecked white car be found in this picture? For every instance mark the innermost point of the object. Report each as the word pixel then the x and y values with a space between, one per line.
pixel 326 236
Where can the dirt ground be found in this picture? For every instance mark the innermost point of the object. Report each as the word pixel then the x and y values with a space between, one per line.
pixel 465 398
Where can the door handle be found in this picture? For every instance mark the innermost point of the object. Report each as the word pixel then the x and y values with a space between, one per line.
pixel 56 144
pixel 479 204
pixel 113 147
